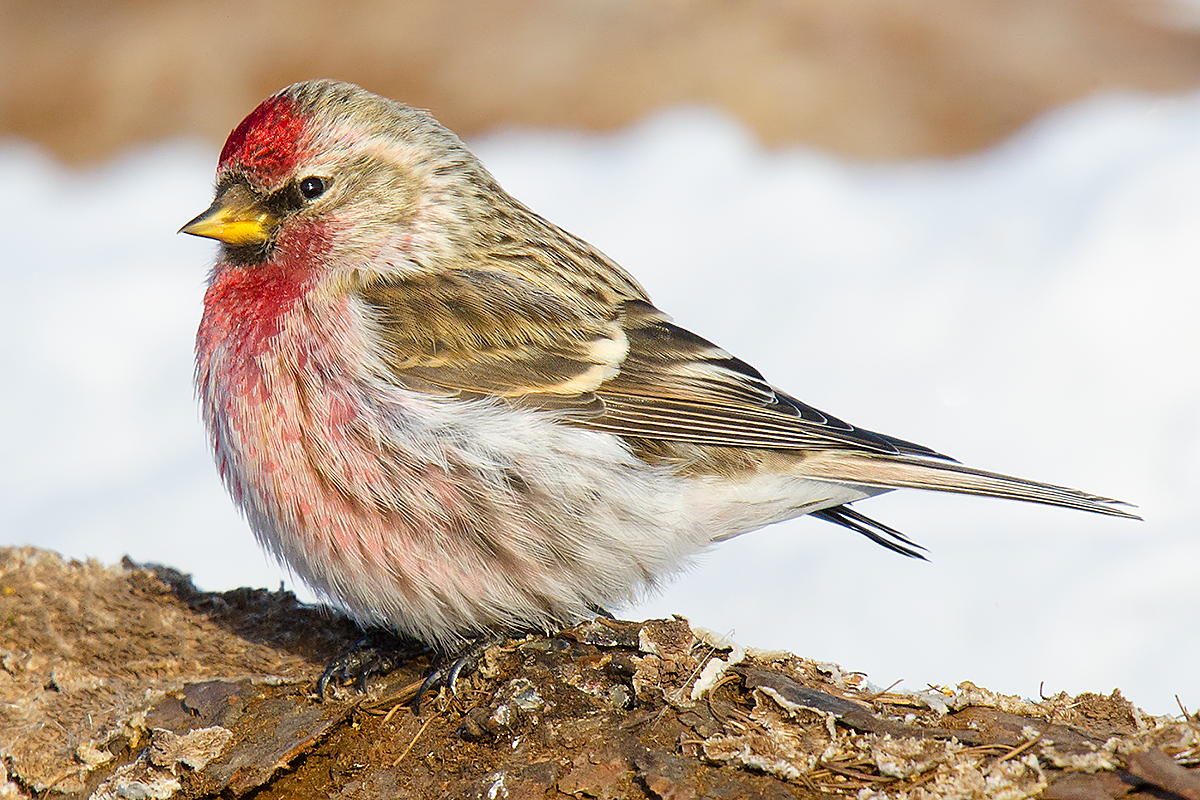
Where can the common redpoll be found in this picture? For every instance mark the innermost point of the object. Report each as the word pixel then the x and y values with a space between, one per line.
pixel 454 419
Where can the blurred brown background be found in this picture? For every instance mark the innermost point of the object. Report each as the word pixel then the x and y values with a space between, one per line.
pixel 873 78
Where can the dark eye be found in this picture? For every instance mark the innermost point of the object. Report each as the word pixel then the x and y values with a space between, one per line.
pixel 312 187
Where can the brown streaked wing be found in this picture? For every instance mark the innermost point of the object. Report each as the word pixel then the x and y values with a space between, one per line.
pixel 625 369
pixel 491 333
pixel 678 386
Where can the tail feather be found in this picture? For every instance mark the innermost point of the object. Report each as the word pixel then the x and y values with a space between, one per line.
pixel 896 472
pixel 877 532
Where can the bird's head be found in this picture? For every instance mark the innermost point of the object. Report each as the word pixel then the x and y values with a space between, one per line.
pixel 326 174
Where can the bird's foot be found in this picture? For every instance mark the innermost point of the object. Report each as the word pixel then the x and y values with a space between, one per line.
pixel 447 667
pixel 378 652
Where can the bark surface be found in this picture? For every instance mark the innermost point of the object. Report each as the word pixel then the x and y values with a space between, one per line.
pixel 120 682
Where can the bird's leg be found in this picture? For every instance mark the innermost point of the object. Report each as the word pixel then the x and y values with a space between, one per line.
pixel 378 652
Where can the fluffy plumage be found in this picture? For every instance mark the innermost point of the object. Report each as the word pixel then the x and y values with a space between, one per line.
pixel 453 418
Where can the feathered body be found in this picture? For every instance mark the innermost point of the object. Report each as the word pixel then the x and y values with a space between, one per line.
pixel 453 418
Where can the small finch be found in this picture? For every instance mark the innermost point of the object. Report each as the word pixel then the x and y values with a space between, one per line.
pixel 456 421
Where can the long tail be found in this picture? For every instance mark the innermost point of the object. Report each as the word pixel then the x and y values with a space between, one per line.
pixel 896 472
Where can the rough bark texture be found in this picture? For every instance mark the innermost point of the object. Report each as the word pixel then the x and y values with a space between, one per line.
pixel 127 682
pixel 873 78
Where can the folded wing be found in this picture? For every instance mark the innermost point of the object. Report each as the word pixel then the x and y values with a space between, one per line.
pixel 621 366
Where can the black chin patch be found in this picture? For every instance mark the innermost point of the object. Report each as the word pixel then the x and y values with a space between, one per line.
pixel 248 255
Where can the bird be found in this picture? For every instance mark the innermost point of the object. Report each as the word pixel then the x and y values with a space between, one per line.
pixel 456 421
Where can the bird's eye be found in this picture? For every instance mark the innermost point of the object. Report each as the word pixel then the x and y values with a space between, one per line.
pixel 312 188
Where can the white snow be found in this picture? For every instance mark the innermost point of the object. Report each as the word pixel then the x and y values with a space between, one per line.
pixel 1030 310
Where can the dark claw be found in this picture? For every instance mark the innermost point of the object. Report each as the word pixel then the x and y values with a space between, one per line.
pixel 455 669
pixel 378 652
pixel 432 681
pixel 448 666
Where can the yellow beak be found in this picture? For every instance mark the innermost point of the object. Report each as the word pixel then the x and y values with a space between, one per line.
pixel 236 217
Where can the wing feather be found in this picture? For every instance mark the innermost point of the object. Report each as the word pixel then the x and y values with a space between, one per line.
pixel 676 385
pixel 490 333
pixel 625 369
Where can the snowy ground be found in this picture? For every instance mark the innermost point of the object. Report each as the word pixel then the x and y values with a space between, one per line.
pixel 1031 310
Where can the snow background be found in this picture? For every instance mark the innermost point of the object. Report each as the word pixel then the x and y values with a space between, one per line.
pixel 1031 310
